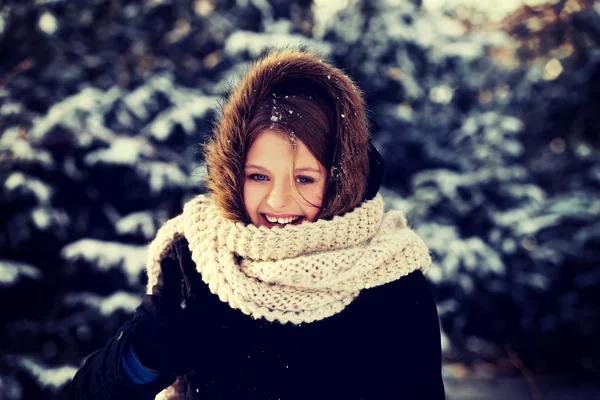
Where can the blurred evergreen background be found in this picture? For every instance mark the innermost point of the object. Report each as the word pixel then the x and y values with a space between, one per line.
pixel 485 111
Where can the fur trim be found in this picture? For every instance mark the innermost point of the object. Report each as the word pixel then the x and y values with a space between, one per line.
pixel 225 152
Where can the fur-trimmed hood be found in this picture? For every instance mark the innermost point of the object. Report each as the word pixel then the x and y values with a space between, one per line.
pixel 226 150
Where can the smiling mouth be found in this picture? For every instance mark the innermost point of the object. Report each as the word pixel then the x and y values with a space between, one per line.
pixel 286 221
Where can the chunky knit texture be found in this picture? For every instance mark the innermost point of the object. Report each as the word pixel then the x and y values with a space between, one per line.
pixel 174 392
pixel 296 273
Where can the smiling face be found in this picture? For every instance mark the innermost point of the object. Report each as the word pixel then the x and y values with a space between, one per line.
pixel 269 192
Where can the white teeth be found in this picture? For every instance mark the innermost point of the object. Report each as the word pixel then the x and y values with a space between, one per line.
pixel 281 220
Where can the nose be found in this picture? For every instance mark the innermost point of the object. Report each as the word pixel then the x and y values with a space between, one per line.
pixel 279 196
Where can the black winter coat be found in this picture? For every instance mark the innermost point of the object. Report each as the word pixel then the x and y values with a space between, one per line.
pixel 384 345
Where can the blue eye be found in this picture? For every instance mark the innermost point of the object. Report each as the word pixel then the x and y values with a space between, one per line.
pixel 304 180
pixel 258 177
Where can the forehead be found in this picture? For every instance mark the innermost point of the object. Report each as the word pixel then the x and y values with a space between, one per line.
pixel 271 147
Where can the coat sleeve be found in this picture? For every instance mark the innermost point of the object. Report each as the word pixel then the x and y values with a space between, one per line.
pixel 402 358
pixel 102 376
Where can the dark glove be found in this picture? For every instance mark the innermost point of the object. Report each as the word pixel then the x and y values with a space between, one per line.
pixel 163 335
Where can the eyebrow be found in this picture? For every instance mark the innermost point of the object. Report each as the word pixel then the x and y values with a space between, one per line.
pixel 304 169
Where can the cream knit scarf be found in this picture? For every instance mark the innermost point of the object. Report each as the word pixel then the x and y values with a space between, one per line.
pixel 297 273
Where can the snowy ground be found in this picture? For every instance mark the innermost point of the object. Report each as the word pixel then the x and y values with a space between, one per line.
pixel 517 389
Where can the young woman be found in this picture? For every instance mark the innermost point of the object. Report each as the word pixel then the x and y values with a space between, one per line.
pixel 288 281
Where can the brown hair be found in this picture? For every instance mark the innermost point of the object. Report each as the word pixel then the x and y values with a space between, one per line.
pixel 328 116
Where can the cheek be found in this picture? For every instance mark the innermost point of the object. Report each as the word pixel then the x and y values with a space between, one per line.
pixel 311 193
pixel 252 199
pixel 318 193
pixel 314 195
pixel 247 199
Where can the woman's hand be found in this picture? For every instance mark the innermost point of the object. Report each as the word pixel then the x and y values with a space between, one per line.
pixel 163 338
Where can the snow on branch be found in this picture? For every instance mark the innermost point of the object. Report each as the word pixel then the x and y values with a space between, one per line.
pixel 105 256
pixel 12 271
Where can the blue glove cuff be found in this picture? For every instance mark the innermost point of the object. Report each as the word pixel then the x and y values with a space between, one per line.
pixel 134 370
